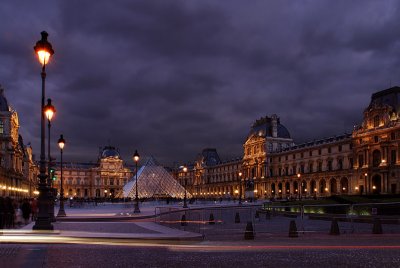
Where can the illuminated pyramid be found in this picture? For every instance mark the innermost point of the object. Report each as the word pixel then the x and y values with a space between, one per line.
pixel 154 181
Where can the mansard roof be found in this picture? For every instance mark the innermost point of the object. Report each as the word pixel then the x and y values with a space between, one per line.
pixel 110 151
pixel 263 127
pixel 315 143
pixel 390 96
pixel 210 157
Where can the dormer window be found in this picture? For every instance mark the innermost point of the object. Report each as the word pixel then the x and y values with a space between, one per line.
pixel 376 121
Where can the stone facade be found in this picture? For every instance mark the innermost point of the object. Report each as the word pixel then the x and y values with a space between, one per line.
pixel 209 177
pixel 367 161
pixel 105 178
pixel 18 171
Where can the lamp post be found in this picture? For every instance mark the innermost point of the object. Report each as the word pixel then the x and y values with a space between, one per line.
pixel 185 198
pixel 299 185
pixel 136 159
pixel 61 211
pixel 240 188
pixel 43 222
pixel 49 111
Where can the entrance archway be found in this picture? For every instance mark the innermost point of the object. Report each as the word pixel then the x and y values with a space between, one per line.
pixel 333 186
pixel 322 186
pixel 344 185
pixel 313 187
pixel 295 187
pixel 280 189
pixel 304 187
pixel 287 187
pixel 273 190
pixel 376 184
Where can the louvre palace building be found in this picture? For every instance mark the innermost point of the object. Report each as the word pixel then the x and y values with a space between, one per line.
pixel 366 161
pixel 18 171
pixel 104 178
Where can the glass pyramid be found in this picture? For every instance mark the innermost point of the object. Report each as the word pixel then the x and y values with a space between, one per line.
pixel 154 181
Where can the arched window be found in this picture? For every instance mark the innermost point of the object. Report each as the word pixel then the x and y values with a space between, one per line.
pixel 287 186
pixel 322 186
pixel 333 186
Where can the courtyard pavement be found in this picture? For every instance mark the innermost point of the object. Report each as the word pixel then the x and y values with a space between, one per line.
pixel 82 225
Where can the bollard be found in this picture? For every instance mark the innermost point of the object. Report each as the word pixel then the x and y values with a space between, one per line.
pixel 257 216
pixel 293 229
pixel 334 227
pixel 211 219
pixel 237 217
pixel 249 232
pixel 183 220
pixel 377 227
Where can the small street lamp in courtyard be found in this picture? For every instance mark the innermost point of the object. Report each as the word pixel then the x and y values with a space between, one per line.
pixel 43 222
pixel 136 159
pixel 185 198
pixel 299 185
pixel 240 188
pixel 61 211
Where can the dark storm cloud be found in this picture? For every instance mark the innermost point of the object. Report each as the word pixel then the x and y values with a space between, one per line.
pixel 172 77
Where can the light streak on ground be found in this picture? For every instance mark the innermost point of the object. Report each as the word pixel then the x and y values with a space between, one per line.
pixel 199 222
pixel 18 237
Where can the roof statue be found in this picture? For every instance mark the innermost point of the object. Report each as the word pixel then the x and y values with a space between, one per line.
pixel 154 181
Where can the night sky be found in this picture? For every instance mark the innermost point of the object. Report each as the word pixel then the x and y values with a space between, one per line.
pixel 170 78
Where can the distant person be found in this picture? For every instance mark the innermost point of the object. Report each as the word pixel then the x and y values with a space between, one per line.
pixel 34 209
pixel 9 212
pixel 2 213
pixel 26 210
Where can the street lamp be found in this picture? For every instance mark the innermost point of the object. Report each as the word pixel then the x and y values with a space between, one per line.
pixel 61 211
pixel 240 188
pixel 136 159
pixel 49 111
pixel 299 185
pixel 43 222
pixel 184 198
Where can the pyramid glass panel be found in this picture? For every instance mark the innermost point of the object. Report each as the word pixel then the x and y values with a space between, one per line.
pixel 154 181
